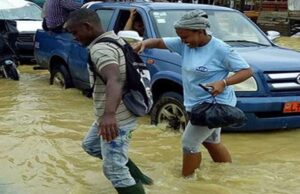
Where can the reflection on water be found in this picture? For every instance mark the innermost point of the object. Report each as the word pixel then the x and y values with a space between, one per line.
pixel 41 128
pixel 289 42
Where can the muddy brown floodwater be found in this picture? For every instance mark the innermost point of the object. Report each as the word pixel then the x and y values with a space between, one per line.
pixel 41 128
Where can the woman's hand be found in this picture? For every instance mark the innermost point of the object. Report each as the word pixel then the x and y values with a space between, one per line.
pixel 218 87
pixel 138 47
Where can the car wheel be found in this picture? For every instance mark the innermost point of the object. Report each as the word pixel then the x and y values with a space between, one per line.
pixel 61 77
pixel 169 110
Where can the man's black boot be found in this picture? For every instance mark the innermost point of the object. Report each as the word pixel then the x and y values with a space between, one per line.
pixel 137 174
pixel 134 189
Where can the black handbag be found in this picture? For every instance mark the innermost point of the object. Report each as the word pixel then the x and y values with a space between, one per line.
pixel 216 115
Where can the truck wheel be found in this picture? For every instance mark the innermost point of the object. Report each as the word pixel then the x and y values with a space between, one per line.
pixel 61 77
pixel 169 110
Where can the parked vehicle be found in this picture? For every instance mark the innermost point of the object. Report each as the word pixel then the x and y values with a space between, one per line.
pixel 8 69
pixel 8 62
pixel 270 99
pixel 40 3
pixel 27 16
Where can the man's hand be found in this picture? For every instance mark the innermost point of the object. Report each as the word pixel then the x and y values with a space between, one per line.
pixel 108 128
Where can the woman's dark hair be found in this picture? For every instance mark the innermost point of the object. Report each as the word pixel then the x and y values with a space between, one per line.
pixel 138 18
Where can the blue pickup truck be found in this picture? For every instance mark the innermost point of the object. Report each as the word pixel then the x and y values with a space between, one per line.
pixel 270 99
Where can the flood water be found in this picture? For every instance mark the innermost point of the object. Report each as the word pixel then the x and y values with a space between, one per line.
pixel 41 128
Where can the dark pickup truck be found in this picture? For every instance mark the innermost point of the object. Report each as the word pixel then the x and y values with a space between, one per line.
pixel 270 99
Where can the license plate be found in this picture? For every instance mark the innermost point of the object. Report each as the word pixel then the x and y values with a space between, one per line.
pixel 291 107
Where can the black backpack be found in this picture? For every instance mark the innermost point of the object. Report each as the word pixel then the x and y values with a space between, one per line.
pixel 137 95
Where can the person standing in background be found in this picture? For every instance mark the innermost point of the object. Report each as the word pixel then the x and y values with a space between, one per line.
pixel 43 15
pixel 56 12
pixel 135 23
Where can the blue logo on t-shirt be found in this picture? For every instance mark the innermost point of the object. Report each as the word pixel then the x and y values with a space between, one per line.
pixel 201 68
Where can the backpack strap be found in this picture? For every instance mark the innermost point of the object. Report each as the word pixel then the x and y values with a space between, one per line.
pixel 91 64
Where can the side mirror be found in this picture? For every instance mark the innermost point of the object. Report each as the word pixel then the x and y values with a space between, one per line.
pixel 272 35
pixel 130 36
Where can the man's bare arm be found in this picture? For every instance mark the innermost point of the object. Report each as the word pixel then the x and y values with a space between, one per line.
pixel 108 124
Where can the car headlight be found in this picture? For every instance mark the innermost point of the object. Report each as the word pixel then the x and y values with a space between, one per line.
pixel 249 85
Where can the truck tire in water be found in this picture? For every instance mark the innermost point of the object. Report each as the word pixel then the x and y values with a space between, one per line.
pixel 61 77
pixel 169 109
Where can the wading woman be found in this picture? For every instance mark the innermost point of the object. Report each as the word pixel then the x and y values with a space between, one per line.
pixel 205 60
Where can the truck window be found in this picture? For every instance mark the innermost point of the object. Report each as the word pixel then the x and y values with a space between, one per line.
pixel 105 16
pixel 121 20
pixel 138 25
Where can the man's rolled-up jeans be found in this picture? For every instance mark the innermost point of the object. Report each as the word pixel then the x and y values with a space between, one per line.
pixel 113 153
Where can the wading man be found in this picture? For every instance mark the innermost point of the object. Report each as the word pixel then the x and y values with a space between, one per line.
pixel 109 136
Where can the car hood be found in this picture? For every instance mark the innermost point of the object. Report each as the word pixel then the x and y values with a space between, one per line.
pixel 271 58
pixel 9 4
pixel 28 26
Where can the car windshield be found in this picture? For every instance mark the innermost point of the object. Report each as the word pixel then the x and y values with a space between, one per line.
pixel 228 26
pixel 27 11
